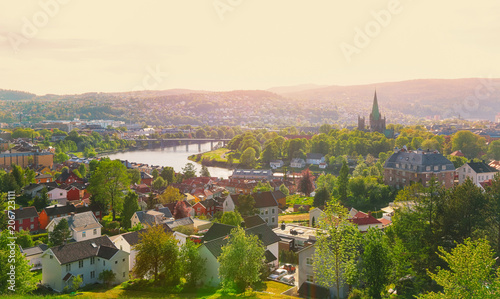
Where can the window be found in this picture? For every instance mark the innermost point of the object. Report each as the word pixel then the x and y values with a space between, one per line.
pixel 92 274
pixel 428 168
pixel 272 211
pixel 309 261
pixel 443 167
pixel 68 267
pixel 104 263
pixel 32 226
pixel 97 213
pixel 390 179
pixel 310 278
pixel 267 211
pixel 95 231
pixel 92 260
pixel 123 274
pixel 436 168
pixel 123 260
pixel 51 256
pixel 84 234
pixel 116 262
pixel 80 264
pixel 20 221
pixel 32 219
pixel 272 219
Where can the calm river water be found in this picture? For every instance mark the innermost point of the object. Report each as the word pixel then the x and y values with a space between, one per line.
pixel 174 156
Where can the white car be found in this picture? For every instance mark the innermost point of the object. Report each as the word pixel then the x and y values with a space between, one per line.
pixel 277 274
pixel 290 279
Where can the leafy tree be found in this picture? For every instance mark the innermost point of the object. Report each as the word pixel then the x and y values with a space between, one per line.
pixel 83 170
pixel 270 152
pixel 155 173
pixel 193 265
pixel 246 205
pixel 60 157
pixel 107 184
pixel 306 183
pixel 156 253
pixel 376 263
pixel 321 197
pixel 494 150
pixel 181 210
pixel 130 206
pixel 24 239
pixel 470 273
pixel 168 174
pixel 262 187
pixel 200 133
pixel 248 157
pixel 343 181
pixel 493 207
pixel 204 171
pixel 77 282
pixel 171 194
pixel 60 234
pixel 336 248
pixel 25 281
pixel 159 183
pixel 231 218
pixel 107 277
pixel 134 175
pixel 241 260
pixel 189 171
pixel 284 190
pixel 469 143
pixel 41 201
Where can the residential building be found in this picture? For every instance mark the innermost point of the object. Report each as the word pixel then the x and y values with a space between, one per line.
pixel 298 163
pixel 34 255
pixel 146 178
pixel 478 172
pixel 275 164
pixel 315 158
pixel 405 167
pixel 266 204
pixel 68 177
pixel 152 217
pixel 25 219
pixel 58 194
pixel 207 207
pixel 83 226
pixel 43 178
pixel 61 264
pixel 59 210
pixel 252 174
pixel 365 221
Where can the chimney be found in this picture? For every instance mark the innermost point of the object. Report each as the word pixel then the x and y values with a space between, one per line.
pixel 283 225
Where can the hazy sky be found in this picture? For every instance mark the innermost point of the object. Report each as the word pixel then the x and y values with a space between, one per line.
pixel 85 45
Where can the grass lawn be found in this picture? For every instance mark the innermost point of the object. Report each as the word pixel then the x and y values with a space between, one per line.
pixel 218 155
pixel 293 217
pixel 38 275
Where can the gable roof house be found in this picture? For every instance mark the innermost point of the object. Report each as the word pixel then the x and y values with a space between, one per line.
pixel 83 226
pixel 34 255
pixel 59 210
pixel 86 258
pixel 297 163
pixel 68 177
pixel 315 158
pixel 265 202
pixel 151 217
pixel 25 219
pixel 478 172
pixel 218 236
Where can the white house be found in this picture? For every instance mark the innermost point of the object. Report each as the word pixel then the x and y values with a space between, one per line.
pixel 298 163
pixel 276 164
pixel 86 258
pixel 315 214
pixel 59 194
pixel 34 255
pixel 315 158
pixel 265 203
pixel 151 217
pixel 478 171
pixel 83 226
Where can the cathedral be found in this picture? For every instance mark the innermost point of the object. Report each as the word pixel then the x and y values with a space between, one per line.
pixel 377 123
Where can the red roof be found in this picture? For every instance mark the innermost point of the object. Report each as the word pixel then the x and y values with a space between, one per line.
pixel 457 153
pixel 364 219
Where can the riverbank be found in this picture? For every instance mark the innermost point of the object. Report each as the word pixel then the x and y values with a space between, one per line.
pixel 216 158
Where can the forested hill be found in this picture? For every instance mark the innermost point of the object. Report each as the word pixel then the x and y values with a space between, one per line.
pixel 471 98
pixel 15 95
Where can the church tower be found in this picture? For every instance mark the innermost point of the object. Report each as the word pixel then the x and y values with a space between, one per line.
pixel 377 123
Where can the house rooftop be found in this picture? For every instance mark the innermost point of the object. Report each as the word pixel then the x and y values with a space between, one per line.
pixel 72 252
pixel 26 212
pixel 481 167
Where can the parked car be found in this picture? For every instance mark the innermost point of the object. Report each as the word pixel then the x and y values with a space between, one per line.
pixel 289 267
pixel 277 274
pixel 290 279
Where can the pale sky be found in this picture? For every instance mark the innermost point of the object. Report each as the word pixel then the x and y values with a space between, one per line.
pixel 86 45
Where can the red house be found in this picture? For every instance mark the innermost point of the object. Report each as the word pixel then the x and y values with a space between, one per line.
pixel 146 178
pixel 25 219
pixel 76 191
pixel 207 207
pixel 68 178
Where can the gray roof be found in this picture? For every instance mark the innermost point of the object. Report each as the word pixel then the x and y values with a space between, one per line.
pixel 81 221
pixel 72 252
pixel 216 231
pixel 23 213
pixel 417 161
pixel 316 156
pixel 133 238
pixel 253 172
pixel 481 167
pixel 34 250
pixel 152 217
pixel 180 222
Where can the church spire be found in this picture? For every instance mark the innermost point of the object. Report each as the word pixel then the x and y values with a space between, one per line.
pixel 375 112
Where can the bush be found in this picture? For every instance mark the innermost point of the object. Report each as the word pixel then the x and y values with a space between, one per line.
pixel 357 294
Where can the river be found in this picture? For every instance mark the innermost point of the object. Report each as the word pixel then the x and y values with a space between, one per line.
pixel 173 156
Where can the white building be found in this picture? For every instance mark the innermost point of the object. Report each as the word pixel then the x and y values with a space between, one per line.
pixel 34 255
pixel 265 203
pixel 298 163
pixel 478 171
pixel 315 158
pixel 276 164
pixel 83 226
pixel 86 258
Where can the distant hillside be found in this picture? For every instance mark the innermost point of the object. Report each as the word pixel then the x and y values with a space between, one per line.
pixel 295 88
pixel 471 98
pixel 15 95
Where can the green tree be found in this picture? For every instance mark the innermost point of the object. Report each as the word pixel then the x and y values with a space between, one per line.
pixel 246 205
pixel 41 201
pixel 168 174
pixel 83 170
pixel 107 184
pixel 24 239
pixel 60 234
pixel 130 206
pixel 343 181
pixel 134 175
pixel 321 197
pixel 11 256
pixel 494 150
pixel 155 173
pixel 171 194
pixel 306 183
pixel 156 253
pixel 189 171
pixel 376 263
pixel 284 190
pixel 204 171
pixel 469 143
pixel 262 187
pixel 336 248
pixel 493 208
pixel 231 218
pixel 248 157
pixel 270 152
pixel 107 277
pixel 241 260
pixel 193 265
pixel 159 183
pixel 77 283
pixel 470 274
